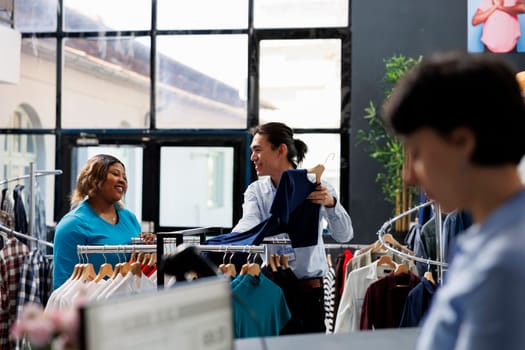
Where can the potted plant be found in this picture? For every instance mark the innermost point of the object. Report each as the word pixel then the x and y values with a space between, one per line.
pixel 386 149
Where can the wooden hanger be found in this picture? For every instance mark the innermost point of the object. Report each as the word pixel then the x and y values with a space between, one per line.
pixel 318 171
pixel 284 261
pixel 135 269
pixel 388 238
pixel 329 259
pixel 125 268
pixel 229 270
pixel 277 259
pixel 77 271
pixel 152 259
pixel 272 264
pixel 401 269
pixel 116 271
pixel 386 260
pixel 254 269
pixel 88 273
pixel 105 270
pixel 375 247
pixel 428 275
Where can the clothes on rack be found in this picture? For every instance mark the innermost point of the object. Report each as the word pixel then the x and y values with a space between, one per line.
pixel 12 258
pixel 362 270
pixel 454 224
pixel 7 213
pixel 340 276
pixel 36 280
pixel 21 224
pixel 40 226
pixel 259 307
pixel 417 303
pixel 83 285
pixel 385 299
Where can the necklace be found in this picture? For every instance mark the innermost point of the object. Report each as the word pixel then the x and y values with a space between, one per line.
pixel 111 218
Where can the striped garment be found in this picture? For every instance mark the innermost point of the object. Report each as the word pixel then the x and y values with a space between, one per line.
pixel 329 299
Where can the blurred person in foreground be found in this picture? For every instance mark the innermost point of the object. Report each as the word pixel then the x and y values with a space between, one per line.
pixel 461 119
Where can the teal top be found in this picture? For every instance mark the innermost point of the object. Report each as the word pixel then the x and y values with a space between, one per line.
pixel 83 226
pixel 259 307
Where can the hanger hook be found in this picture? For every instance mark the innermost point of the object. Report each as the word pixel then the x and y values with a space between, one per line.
pixel 330 156
pixel 224 256
pixel 231 256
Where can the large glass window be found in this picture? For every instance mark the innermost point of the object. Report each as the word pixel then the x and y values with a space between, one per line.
pixel 300 82
pixel 36 91
pixel 36 15
pixel 17 152
pixel 202 81
pixel 197 186
pixel 103 15
pixel 221 67
pixel 300 13
pixel 202 14
pixel 106 83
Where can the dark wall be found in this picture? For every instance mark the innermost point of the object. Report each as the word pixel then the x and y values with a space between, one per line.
pixel 380 29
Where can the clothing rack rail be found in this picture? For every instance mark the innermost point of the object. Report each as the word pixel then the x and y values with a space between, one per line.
pixel 10 231
pixel 388 224
pixel 37 174
pixel 151 248
pixel 270 240
pixel 195 240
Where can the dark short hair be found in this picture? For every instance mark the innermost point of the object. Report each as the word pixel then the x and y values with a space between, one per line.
pixel 280 133
pixel 453 90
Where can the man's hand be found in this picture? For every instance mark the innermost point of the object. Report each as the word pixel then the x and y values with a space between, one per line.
pixel 320 195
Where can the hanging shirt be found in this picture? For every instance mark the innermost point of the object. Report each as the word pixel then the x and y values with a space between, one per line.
pixel 385 299
pixel 351 304
pixel 36 282
pixel 329 299
pixel 259 297
pixel 20 211
pixel 12 257
pixel 82 226
pixel 417 303
pixel 480 306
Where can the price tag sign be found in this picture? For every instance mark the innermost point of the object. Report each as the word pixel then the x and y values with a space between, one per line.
pixel 193 315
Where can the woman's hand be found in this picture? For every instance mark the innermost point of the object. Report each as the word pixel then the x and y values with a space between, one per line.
pixel 148 237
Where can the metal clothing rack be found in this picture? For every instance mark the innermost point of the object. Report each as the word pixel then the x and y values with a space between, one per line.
pixel 439 242
pixel 159 249
pixel 31 215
